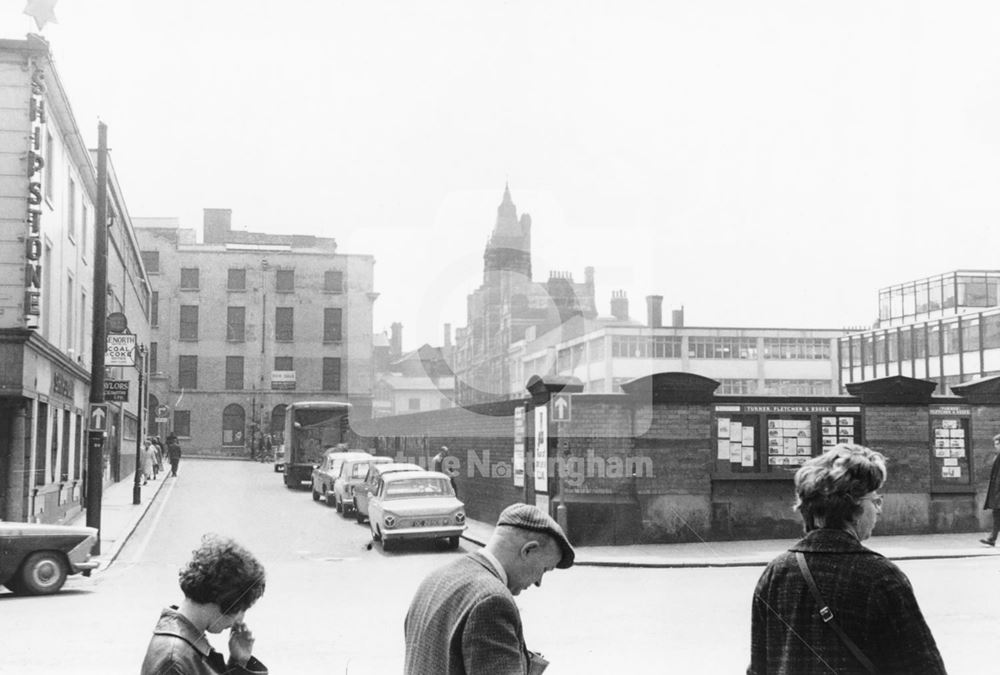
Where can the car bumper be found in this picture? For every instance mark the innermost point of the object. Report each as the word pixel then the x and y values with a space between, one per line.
pixel 85 566
pixel 423 532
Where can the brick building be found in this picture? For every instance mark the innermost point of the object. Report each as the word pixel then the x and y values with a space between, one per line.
pixel 48 191
pixel 245 323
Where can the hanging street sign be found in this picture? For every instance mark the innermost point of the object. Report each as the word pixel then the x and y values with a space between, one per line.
pixel 117 323
pixel 116 390
pixel 120 350
pixel 162 413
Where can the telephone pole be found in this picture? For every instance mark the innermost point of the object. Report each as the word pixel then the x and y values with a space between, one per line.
pixel 95 438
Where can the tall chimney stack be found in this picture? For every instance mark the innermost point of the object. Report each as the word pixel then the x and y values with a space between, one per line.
pixel 396 340
pixel 654 311
pixel 678 318
pixel 216 225
pixel 619 305
pixel 447 336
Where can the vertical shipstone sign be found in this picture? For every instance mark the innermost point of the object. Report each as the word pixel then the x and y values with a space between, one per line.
pixel 36 162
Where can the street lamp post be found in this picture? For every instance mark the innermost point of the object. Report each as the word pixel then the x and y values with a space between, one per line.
pixel 136 480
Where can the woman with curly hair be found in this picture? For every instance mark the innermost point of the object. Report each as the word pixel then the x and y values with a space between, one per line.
pixel 220 583
pixel 828 604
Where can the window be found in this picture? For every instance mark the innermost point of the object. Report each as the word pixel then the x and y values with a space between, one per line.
pixel 84 224
pixel 736 386
pixel 284 281
pixel 283 363
pixel 629 346
pixel 71 209
pixel 70 295
pixel 331 374
pixel 189 322
pixel 948 288
pixel 970 335
pixel 236 324
pixel 949 334
pixel 797 348
pixel 182 423
pixel 154 310
pixel 722 348
pixel 153 361
pixel 187 372
pixel 234 372
pixel 333 281
pixel 151 261
pixel 665 347
pixel 798 387
pixel 237 280
pixel 413 404
pixel 284 321
pixel 189 278
pixel 83 326
pixel 331 324
pixel 991 331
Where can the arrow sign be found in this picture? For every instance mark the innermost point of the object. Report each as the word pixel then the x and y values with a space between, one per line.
pixel 562 407
pixel 98 417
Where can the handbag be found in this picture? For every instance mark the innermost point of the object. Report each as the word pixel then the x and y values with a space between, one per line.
pixel 827 615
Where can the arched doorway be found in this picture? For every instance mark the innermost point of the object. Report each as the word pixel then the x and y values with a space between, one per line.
pixel 233 425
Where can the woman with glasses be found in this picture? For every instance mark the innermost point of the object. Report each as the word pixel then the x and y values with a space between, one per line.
pixel 858 613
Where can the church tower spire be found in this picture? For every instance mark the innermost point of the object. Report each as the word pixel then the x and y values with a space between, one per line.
pixel 509 247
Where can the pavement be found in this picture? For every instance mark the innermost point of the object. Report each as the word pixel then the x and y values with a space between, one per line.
pixel 119 519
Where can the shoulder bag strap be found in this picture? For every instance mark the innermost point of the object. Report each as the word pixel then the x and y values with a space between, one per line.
pixel 827 615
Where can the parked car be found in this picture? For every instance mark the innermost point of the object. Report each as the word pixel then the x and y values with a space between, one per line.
pixel 415 505
pixel 326 472
pixel 36 559
pixel 352 474
pixel 365 489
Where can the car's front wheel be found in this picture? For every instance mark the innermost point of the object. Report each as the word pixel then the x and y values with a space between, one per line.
pixel 315 494
pixel 42 573
pixel 358 516
pixel 340 504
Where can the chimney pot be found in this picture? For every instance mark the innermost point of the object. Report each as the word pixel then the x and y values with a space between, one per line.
pixel 654 311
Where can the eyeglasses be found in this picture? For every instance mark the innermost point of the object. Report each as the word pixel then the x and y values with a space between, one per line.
pixel 876 500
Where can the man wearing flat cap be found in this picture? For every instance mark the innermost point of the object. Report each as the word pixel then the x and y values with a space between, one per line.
pixel 463 618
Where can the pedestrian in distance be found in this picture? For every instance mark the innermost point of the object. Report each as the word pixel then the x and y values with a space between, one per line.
pixel 463 618
pixel 992 502
pixel 220 583
pixel 157 455
pixel 173 453
pixel 268 446
pixel 829 604
pixel 148 461
pixel 439 464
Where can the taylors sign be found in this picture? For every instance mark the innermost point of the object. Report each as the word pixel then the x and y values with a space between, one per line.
pixel 36 162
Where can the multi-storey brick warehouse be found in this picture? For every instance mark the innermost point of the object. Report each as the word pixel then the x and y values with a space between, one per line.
pixel 245 323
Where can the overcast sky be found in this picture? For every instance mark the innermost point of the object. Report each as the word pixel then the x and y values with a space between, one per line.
pixel 763 164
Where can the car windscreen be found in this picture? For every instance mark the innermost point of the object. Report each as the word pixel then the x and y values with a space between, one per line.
pixel 360 470
pixel 419 487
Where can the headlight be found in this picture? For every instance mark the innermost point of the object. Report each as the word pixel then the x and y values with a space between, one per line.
pixel 459 517
pixel 389 520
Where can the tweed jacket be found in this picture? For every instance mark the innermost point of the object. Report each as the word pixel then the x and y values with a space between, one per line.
pixel 178 648
pixel 993 491
pixel 463 620
pixel 871 600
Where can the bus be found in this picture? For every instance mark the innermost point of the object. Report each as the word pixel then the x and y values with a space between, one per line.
pixel 310 428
